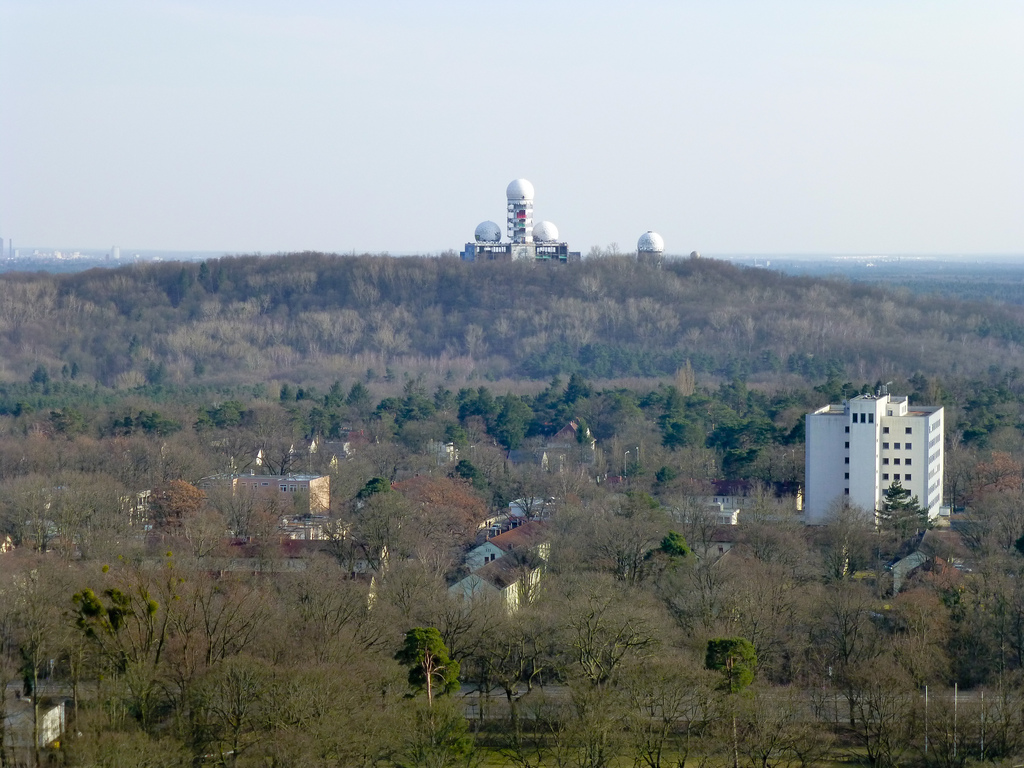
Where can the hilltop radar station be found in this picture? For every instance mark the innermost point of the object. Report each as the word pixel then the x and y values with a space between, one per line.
pixel 537 242
pixel 526 241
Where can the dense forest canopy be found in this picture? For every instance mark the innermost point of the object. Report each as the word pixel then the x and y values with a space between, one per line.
pixel 316 317
pixel 185 629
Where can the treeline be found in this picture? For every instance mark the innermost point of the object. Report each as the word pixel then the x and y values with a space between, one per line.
pixel 181 658
pixel 659 436
pixel 662 439
pixel 172 658
pixel 152 377
pixel 310 316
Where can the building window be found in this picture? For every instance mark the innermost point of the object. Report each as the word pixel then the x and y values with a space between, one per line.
pixel 885 475
pixel 847 476
pixel 863 418
pixel 853 418
pixel 885 430
pixel 846 491
pixel 284 489
pixel 907 462
pixel 847 429
pixel 871 418
pixel 264 484
pixel 896 461
pixel 846 460
pixel 896 477
pixel 907 477
pixel 896 446
pixel 847 443
pixel 906 446
pixel 885 461
pixel 910 430
pixel 885 446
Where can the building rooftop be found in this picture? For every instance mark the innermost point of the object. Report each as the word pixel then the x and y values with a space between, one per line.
pixel 523 536
pixel 502 572
pixel 831 410
pixel 226 476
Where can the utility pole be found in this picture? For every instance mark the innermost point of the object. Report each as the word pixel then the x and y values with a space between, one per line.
pixel 983 726
pixel 956 701
pixel 926 720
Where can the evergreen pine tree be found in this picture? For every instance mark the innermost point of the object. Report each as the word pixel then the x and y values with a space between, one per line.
pixel 901 513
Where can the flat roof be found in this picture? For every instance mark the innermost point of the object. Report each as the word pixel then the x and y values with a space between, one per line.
pixel 830 410
pixel 277 477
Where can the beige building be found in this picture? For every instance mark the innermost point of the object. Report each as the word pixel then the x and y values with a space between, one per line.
pixel 313 492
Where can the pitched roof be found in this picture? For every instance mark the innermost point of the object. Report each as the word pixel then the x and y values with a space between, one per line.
pixel 568 432
pixel 725 534
pixel 501 573
pixel 524 536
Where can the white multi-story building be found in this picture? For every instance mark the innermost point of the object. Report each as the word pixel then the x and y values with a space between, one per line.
pixel 856 450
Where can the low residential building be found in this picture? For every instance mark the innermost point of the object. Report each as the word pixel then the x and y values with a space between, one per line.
pixel 312 492
pixel 724 514
pixel 508 565
pixel 745 494
pixel 483 554
pixel 507 579
pixel 136 507
pixel 306 527
pixel 721 539
pixel 565 449
pixel 519 511
pixel 18 727
pixel 443 453
pixel 526 537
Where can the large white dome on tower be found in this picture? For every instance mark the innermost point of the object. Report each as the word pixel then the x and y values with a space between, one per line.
pixel 545 232
pixel 650 242
pixel 520 189
pixel 487 232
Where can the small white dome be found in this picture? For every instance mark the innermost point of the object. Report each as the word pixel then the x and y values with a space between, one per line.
pixel 487 232
pixel 520 189
pixel 650 242
pixel 545 232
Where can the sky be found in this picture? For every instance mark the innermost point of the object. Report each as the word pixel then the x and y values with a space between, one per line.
pixel 728 126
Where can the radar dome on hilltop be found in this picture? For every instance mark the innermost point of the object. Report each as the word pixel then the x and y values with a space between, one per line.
pixel 650 242
pixel 520 189
pixel 545 232
pixel 487 232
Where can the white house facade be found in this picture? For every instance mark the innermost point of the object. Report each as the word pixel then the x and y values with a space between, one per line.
pixel 854 451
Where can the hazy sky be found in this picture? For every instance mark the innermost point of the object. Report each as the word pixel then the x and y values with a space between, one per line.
pixel 395 125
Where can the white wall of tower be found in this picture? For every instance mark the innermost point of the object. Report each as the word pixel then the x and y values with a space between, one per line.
pixel 854 451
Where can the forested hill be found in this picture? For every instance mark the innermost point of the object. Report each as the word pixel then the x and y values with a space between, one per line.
pixel 316 317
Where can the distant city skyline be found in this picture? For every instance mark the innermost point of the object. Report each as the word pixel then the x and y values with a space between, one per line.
pixel 729 128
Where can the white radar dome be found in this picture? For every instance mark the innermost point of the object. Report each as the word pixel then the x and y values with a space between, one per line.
pixel 650 242
pixel 487 232
pixel 520 189
pixel 545 232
